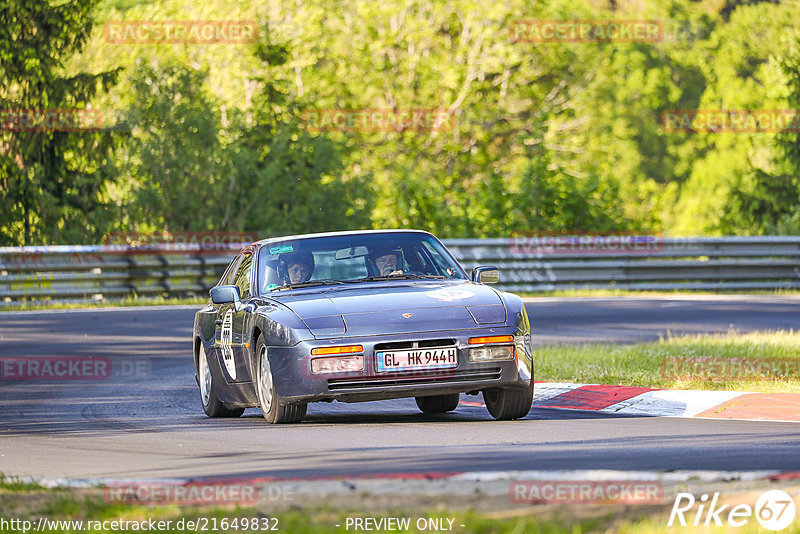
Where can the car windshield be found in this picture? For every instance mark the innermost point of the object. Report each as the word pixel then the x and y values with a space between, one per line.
pixel 354 259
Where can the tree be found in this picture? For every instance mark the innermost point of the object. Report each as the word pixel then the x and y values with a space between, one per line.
pixel 254 169
pixel 174 159
pixel 52 173
pixel 739 182
pixel 290 180
pixel 786 215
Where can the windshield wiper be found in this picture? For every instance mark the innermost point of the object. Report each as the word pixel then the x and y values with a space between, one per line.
pixel 409 276
pixel 310 283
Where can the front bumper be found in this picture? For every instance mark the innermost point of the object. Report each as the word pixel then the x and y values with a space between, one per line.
pixel 295 383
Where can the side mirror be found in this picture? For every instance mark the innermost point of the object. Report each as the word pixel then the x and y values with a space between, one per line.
pixel 486 275
pixel 226 295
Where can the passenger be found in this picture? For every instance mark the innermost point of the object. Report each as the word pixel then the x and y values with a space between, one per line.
pixel 296 267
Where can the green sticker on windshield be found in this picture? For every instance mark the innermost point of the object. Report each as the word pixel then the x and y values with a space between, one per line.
pixel 281 249
pixel 271 287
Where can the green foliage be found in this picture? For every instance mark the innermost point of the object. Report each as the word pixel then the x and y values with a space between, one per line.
pixel 194 169
pixel 15 484
pixel 738 183
pixel 175 156
pixel 51 180
pixel 783 201
pixel 293 181
pixel 553 200
pixel 544 137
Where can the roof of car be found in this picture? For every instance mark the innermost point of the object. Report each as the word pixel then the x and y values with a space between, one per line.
pixel 335 234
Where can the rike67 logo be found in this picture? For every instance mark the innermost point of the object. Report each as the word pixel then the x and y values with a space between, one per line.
pixel 774 510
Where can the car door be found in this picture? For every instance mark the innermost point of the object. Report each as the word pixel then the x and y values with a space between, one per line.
pixel 235 323
pixel 223 326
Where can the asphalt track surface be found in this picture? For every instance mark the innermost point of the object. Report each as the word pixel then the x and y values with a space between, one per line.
pixel 145 420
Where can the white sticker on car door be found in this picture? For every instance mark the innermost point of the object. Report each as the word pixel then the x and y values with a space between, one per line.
pixel 226 342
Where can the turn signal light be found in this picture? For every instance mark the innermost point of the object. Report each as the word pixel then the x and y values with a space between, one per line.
pixel 490 339
pixel 346 349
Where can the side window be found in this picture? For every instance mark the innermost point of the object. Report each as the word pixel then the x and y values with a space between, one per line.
pixel 439 265
pixel 227 276
pixel 243 276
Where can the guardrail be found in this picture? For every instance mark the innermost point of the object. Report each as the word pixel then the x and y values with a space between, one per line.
pixel 529 264
pixel 100 272
pixel 550 263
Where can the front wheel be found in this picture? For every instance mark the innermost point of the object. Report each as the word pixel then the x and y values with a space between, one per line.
pixel 508 403
pixel 438 403
pixel 273 410
pixel 208 396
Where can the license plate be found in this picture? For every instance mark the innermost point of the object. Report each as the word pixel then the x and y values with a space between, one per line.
pixel 408 360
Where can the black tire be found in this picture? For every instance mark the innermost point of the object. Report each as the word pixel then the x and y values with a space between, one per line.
pixel 438 403
pixel 212 406
pixel 508 403
pixel 274 412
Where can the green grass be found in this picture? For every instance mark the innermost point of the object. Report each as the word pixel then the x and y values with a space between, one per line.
pixel 319 515
pixel 123 302
pixel 14 484
pixel 708 361
pixel 89 505
pixel 316 517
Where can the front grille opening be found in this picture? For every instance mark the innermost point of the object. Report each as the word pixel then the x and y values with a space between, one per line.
pixel 492 373
pixel 425 343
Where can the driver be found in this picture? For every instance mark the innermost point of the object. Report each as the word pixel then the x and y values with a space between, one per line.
pixel 388 261
pixel 296 267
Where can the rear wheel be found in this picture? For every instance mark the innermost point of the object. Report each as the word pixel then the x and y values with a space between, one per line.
pixel 273 410
pixel 438 403
pixel 208 397
pixel 509 403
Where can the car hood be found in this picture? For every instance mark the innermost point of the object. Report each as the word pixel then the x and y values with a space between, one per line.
pixel 374 308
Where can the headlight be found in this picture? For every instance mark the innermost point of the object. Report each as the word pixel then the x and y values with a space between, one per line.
pixel 337 364
pixel 491 353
